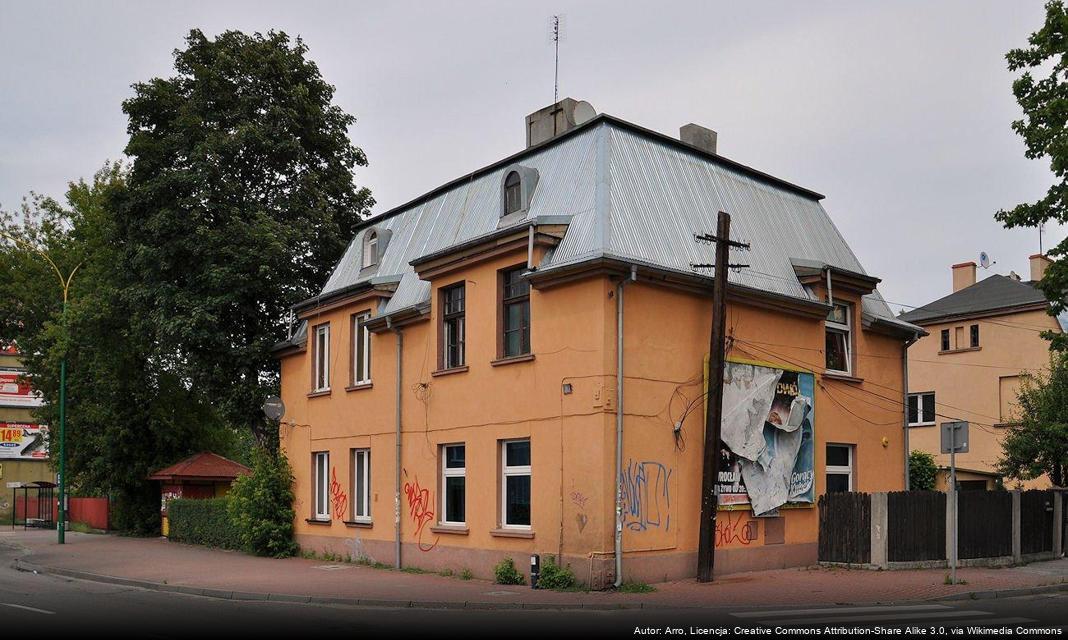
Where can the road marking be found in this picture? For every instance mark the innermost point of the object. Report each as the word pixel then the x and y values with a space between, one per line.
pixel 25 608
pixel 877 617
pixel 844 609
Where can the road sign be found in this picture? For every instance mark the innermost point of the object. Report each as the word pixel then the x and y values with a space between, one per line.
pixel 955 437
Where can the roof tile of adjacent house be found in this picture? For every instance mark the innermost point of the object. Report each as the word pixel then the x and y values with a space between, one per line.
pixel 995 293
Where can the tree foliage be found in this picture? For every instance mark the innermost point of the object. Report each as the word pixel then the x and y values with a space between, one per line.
pixel 240 201
pixel 1042 92
pixel 1039 444
pixel 922 471
pixel 261 506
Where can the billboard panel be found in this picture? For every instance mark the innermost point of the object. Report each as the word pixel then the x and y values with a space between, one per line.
pixel 22 441
pixel 15 391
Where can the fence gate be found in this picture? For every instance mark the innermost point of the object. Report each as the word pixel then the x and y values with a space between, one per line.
pixel 984 524
pixel 845 527
pixel 1036 521
pixel 916 526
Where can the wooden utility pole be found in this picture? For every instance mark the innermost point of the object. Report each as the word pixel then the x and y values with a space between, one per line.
pixel 706 547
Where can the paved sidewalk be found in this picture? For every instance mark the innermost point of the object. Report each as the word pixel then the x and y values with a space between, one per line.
pixel 179 567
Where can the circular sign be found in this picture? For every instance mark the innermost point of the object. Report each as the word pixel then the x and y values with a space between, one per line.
pixel 273 407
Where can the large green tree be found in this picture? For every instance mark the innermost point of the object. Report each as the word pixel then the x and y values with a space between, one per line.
pixel 1042 92
pixel 1039 444
pixel 239 203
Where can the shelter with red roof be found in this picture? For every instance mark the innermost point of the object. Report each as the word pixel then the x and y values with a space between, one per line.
pixel 203 475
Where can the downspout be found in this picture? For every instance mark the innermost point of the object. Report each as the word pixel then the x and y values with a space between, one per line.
pixel 619 422
pixel 905 401
pixel 397 480
pixel 830 291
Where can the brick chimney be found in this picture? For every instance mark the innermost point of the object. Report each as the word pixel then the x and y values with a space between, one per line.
pixel 1039 264
pixel 963 275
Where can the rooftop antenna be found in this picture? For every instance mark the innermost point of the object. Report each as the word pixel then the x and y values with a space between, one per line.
pixel 984 260
pixel 556 32
pixel 1041 228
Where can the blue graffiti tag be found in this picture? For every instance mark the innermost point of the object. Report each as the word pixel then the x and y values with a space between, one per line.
pixel 645 495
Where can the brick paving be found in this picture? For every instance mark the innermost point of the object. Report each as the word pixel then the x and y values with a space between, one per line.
pixel 163 562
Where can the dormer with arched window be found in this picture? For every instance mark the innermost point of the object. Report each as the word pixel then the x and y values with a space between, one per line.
pixel 517 190
pixel 370 249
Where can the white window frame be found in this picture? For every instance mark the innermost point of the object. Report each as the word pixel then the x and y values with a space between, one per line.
pixel 452 472
pixel 847 329
pixel 370 250
pixel 920 402
pixel 321 485
pixel 361 335
pixel 321 358
pixel 361 491
pixel 508 471
pixel 838 469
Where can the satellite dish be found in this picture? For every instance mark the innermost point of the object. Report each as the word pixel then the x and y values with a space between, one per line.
pixel 984 260
pixel 584 112
pixel 273 407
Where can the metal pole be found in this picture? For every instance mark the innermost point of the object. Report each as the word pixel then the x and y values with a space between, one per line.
pixel 706 549
pixel 953 481
pixel 61 525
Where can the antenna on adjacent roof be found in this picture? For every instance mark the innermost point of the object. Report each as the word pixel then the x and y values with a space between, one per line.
pixel 556 32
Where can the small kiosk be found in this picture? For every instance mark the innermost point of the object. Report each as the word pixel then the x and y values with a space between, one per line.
pixel 204 475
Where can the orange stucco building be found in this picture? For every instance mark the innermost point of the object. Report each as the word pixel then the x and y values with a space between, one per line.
pixel 454 395
pixel 982 340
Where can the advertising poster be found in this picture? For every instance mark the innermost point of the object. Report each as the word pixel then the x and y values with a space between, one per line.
pixel 767 458
pixel 16 392
pixel 21 441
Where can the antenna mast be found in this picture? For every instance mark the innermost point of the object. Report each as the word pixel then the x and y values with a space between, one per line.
pixel 554 25
pixel 1041 228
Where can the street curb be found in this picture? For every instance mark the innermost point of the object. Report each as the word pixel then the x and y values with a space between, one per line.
pixel 222 594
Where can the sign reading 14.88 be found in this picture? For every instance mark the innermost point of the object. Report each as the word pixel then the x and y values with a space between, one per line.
pixel 22 441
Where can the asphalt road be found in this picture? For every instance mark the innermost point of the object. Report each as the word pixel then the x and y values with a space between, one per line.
pixel 43 605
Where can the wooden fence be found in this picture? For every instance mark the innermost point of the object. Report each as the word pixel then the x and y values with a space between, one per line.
pixel 845 528
pixel 916 526
pixel 1036 521
pixel 984 524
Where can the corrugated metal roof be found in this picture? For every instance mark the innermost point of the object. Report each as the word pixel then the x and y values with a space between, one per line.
pixel 632 194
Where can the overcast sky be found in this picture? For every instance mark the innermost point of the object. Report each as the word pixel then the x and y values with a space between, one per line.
pixel 899 112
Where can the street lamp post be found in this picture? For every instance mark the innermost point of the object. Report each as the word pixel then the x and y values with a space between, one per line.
pixel 64 284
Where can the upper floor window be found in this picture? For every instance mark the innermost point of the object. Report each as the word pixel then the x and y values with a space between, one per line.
pixel 453 328
pixel 513 193
pixel 361 349
pixel 945 340
pixel 370 249
pixel 839 338
pixel 921 409
pixel 515 313
pixel 975 336
pixel 321 358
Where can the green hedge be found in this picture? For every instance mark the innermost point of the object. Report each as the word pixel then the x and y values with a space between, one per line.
pixel 205 522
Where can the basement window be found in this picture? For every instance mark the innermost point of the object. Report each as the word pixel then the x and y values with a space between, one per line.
pixel 921 409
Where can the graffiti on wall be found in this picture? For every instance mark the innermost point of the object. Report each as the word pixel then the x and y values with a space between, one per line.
pixel 580 499
pixel 420 510
pixel 731 529
pixel 645 496
pixel 338 500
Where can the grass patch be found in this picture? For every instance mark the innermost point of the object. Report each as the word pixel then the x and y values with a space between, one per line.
pixel 415 570
pixel 466 574
pixel 81 527
pixel 445 573
pixel 636 587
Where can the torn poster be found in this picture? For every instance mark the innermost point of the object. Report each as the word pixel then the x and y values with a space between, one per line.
pixel 767 453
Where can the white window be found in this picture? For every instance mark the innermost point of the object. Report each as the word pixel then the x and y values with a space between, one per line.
pixel 921 409
pixel 838 344
pixel 361 345
pixel 454 484
pixel 839 467
pixel 361 485
pixel 370 249
pixel 321 469
pixel 515 484
pixel 321 357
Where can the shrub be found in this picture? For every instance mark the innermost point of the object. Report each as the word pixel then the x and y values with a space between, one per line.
pixel 261 505
pixel 506 573
pixel 554 576
pixel 466 574
pixel 205 522
pixel 630 586
pixel 922 471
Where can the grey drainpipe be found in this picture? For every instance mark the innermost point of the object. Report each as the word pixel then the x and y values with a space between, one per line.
pixel 619 422
pixel 905 384
pixel 397 481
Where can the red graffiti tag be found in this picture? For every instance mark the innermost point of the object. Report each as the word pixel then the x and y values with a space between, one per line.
pixel 419 510
pixel 338 498
pixel 728 530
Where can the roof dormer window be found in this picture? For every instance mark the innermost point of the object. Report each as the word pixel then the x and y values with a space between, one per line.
pixel 513 193
pixel 370 249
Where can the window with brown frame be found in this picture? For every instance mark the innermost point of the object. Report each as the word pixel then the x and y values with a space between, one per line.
pixel 361 349
pixel 513 199
pixel 514 313
pixel 321 359
pixel 453 329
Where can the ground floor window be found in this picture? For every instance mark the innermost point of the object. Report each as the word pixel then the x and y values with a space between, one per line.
pixel 839 467
pixel 454 484
pixel 321 471
pixel 361 485
pixel 515 483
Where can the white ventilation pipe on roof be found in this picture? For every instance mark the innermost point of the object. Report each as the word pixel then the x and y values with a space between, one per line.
pixel 619 422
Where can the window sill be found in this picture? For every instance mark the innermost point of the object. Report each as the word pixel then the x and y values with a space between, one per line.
pixel 964 350
pixel 318 521
pixel 359 524
pixel 451 529
pixel 449 372
pixel 360 386
pixel 319 394
pixel 512 533
pixel 914 425
pixel 500 362
pixel 844 377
